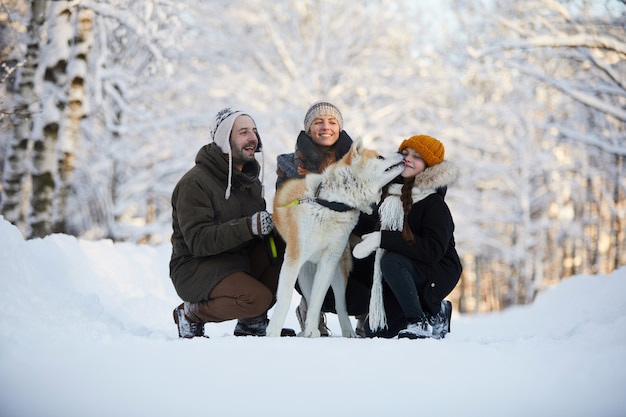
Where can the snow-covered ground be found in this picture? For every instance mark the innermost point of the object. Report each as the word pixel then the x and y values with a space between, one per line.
pixel 86 330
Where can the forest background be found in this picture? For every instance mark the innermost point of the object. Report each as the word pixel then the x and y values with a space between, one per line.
pixel 104 104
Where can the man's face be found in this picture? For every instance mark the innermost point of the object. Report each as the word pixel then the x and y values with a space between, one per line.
pixel 324 130
pixel 243 141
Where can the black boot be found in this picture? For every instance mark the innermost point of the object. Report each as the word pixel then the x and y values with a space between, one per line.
pixel 256 326
pixel 441 320
pixel 253 326
pixel 420 328
pixel 187 329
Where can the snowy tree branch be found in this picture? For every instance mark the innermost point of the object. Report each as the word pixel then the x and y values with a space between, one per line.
pixel 591 139
pixel 586 99
pixel 551 41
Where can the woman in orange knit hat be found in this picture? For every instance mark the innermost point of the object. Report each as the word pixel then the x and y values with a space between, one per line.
pixel 416 263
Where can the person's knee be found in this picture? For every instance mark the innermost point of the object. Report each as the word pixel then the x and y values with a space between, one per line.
pixel 391 261
pixel 260 301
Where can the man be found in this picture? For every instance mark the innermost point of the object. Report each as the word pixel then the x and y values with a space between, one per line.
pixel 219 264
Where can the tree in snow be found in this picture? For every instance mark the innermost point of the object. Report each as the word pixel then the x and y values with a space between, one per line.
pixel 65 102
pixel 558 204
pixel 23 111
pixel 528 98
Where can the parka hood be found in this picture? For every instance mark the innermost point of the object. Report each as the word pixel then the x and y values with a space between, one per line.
pixel 437 176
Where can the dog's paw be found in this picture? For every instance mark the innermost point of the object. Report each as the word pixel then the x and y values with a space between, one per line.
pixel 349 333
pixel 271 332
pixel 315 332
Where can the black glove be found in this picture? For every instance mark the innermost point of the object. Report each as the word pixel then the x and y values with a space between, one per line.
pixel 261 223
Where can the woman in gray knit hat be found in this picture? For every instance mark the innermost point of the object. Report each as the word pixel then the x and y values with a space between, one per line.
pixel 322 142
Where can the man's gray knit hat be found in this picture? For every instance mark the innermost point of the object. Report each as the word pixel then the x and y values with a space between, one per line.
pixel 322 108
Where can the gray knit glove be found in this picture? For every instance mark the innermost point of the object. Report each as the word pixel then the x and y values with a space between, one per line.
pixel 261 223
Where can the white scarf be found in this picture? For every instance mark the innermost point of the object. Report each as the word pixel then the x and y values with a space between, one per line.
pixel 391 218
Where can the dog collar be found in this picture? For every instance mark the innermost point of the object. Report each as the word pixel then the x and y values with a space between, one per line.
pixel 333 205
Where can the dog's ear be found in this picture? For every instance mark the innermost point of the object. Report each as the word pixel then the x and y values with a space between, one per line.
pixel 358 146
pixel 354 154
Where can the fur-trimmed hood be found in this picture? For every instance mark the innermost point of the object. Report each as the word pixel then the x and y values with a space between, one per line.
pixel 437 176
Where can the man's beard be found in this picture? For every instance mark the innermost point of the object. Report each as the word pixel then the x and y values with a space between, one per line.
pixel 239 154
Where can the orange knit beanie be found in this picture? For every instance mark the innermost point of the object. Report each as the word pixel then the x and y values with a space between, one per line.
pixel 429 148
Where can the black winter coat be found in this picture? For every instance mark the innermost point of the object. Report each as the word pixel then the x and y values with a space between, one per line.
pixel 433 253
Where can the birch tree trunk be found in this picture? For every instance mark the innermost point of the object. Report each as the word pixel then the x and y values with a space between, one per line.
pixel 14 197
pixel 619 220
pixel 74 111
pixel 46 133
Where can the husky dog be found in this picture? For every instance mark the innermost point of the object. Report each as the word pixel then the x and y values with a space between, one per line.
pixel 315 216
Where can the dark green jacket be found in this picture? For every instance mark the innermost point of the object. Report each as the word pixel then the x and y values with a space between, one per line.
pixel 211 238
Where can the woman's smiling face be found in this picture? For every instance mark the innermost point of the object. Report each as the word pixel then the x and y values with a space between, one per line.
pixel 413 163
pixel 324 130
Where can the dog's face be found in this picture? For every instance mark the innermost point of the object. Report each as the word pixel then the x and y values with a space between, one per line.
pixel 371 167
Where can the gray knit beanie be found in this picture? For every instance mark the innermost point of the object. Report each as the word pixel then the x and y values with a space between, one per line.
pixel 322 108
